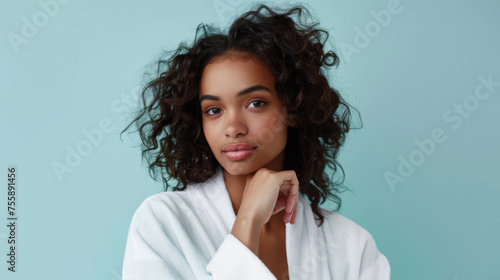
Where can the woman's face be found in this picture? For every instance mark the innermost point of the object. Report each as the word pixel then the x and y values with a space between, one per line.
pixel 244 121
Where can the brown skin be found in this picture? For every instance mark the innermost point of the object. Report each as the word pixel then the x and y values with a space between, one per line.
pixel 263 196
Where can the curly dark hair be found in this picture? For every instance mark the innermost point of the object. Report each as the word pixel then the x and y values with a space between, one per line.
pixel 293 51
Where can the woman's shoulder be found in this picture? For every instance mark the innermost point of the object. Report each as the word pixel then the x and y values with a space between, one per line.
pixel 333 221
pixel 195 198
pixel 338 222
pixel 157 208
pixel 338 230
pixel 346 237
pixel 167 201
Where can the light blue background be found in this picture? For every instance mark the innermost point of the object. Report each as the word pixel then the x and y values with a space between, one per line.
pixel 440 223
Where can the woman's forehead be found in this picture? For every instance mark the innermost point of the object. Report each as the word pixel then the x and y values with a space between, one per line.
pixel 235 73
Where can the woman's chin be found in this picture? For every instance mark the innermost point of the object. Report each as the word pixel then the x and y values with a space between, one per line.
pixel 240 169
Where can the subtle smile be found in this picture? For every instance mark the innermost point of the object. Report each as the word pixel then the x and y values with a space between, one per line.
pixel 237 152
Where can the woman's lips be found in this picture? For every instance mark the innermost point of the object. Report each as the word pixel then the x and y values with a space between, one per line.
pixel 239 155
pixel 237 152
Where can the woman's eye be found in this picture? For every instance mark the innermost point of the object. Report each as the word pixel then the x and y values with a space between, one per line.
pixel 258 103
pixel 212 111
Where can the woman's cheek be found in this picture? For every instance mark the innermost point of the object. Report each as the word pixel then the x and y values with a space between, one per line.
pixel 266 135
pixel 208 131
pixel 278 123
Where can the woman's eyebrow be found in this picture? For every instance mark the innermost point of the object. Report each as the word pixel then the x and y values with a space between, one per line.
pixel 241 93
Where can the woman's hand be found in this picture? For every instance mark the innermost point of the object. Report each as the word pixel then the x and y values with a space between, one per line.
pixel 266 193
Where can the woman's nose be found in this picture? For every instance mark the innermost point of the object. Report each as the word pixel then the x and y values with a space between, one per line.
pixel 235 125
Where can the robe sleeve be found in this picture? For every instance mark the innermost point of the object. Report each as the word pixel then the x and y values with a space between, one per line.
pixel 234 260
pixel 152 252
pixel 374 265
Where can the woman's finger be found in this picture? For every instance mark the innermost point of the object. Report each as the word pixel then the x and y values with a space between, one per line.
pixel 290 201
pixel 290 186
pixel 289 183
pixel 280 204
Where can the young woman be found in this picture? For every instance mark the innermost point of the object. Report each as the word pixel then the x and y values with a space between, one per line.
pixel 246 123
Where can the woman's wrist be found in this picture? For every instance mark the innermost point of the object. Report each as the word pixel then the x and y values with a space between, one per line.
pixel 247 229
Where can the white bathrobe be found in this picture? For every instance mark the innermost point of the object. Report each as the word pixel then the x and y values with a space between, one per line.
pixel 187 235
